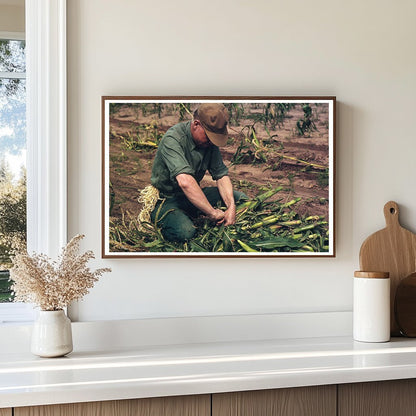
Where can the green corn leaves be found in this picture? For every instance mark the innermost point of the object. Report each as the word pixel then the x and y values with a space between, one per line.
pixel 266 223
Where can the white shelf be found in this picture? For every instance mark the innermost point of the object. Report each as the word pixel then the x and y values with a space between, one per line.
pixel 151 371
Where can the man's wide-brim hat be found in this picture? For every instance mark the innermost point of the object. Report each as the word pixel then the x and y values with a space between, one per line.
pixel 214 119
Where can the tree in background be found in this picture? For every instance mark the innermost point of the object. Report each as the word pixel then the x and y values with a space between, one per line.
pixel 12 145
pixel 12 214
pixel 12 224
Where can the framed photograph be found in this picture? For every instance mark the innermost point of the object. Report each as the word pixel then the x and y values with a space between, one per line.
pixel 218 176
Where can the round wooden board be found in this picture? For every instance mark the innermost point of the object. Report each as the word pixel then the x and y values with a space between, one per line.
pixel 405 306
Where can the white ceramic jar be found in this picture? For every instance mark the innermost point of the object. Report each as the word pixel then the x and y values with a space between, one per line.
pixel 371 306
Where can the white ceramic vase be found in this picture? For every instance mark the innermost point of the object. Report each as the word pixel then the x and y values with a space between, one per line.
pixel 52 334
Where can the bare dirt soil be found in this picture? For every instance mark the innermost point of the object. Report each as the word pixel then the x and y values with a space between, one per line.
pixel 298 163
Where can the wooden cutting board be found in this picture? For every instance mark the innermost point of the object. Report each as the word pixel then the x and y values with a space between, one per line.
pixel 393 250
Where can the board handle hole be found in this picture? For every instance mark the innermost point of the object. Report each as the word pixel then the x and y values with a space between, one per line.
pixel 392 210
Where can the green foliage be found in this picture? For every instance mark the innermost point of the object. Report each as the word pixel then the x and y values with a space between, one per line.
pixel 251 148
pixel 184 111
pixel 306 124
pixel 275 113
pixel 112 198
pixel 12 55
pixel 115 108
pixel 12 59
pixel 12 224
pixel 12 217
pixel 150 108
pixel 263 224
pixel 235 112
pixel 323 178
pixel 12 141
pixel 270 115
pixel 6 294
pixel 142 137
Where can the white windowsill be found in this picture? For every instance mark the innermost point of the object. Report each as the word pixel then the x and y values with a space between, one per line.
pixel 212 367
pixel 16 313
pixel 172 356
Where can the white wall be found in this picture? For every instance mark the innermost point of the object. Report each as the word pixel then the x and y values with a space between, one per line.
pixel 361 52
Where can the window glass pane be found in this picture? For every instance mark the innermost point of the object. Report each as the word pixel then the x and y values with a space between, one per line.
pixel 13 121
pixel 12 56
pixel 12 161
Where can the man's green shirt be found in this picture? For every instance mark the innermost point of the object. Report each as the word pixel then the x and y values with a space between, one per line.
pixel 177 153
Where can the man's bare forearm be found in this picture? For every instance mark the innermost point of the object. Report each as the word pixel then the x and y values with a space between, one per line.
pixel 225 188
pixel 194 193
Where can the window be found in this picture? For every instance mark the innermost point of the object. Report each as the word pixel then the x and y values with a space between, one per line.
pixel 46 135
pixel 12 154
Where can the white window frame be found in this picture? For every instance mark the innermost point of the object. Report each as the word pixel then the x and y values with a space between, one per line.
pixel 46 125
pixel 46 134
pixel 12 35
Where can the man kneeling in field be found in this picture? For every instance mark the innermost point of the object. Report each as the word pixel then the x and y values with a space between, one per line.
pixel 185 153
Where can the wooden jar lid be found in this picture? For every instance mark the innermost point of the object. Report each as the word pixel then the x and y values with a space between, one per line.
pixel 372 275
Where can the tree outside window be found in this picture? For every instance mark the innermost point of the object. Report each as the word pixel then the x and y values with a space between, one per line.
pixel 12 156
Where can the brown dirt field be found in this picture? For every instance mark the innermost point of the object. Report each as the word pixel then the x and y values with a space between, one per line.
pixel 130 169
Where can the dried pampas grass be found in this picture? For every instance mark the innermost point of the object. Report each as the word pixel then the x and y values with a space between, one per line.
pixel 53 285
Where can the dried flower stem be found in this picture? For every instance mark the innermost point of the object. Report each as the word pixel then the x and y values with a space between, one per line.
pixel 53 285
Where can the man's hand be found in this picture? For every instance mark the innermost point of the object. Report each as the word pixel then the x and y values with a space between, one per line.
pixel 195 195
pixel 217 216
pixel 229 216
